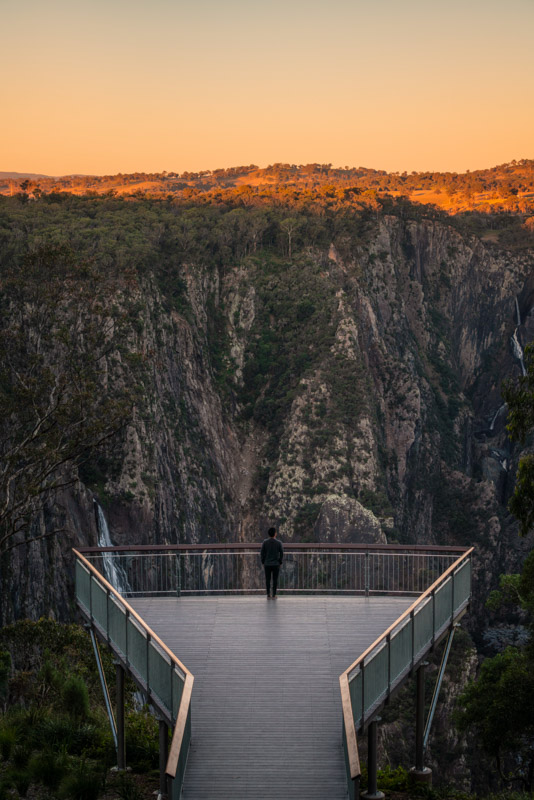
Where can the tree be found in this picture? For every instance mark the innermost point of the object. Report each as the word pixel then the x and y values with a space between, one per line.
pixel 520 398
pixel 57 402
pixel 499 706
pixel 290 225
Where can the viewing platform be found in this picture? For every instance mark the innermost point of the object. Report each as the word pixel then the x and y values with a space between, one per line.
pixel 281 687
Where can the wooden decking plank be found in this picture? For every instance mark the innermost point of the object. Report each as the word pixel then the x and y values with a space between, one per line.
pixel 266 705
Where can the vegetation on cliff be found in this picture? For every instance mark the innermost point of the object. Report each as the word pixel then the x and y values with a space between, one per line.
pixel 507 187
pixel 55 334
pixel 287 353
pixel 499 705
pixel 55 738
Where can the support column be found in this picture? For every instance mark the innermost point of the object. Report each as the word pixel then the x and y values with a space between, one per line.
pixel 163 755
pixel 121 740
pixel 372 792
pixel 420 773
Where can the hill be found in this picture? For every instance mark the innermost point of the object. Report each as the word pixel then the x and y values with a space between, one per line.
pixel 504 188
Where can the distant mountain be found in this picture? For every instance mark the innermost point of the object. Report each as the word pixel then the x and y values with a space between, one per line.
pixel 22 175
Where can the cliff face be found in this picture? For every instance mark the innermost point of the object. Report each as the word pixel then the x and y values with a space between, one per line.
pixel 344 396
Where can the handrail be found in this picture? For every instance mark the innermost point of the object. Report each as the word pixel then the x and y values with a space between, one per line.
pixel 133 613
pixel 348 718
pixel 420 599
pixel 350 728
pixel 288 547
pixel 179 728
pixel 185 701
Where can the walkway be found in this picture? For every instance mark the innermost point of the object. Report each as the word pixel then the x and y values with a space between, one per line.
pixel 266 708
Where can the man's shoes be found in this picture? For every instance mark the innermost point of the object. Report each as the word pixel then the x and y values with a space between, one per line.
pixel 268 595
pixel 274 597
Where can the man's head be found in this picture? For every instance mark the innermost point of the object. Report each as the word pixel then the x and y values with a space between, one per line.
pixel 272 532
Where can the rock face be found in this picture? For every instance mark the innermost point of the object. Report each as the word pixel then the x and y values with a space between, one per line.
pixel 345 398
pixel 343 519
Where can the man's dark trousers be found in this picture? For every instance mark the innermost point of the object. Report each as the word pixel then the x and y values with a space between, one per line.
pixel 274 572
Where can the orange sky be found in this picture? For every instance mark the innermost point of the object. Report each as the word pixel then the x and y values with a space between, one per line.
pixel 106 86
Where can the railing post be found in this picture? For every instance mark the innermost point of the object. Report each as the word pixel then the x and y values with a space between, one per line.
pixel 172 691
pixel 412 617
pixel 108 637
pixel 148 666
pixel 433 617
pixel 420 773
pixel 366 576
pixel 126 654
pixel 452 597
pixel 388 640
pixel 362 670
pixel 178 576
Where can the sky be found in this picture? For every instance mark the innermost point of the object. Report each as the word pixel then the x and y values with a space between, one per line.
pixel 108 86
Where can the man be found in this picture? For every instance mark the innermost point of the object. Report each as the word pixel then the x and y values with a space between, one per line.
pixel 272 554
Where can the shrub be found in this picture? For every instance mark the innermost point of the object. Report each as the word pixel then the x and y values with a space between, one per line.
pixel 83 783
pixel 48 768
pixel 5 667
pixel 126 787
pixel 142 748
pixel 76 697
pixel 7 742
pixel 21 779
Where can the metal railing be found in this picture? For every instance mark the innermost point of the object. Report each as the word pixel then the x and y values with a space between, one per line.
pixel 184 570
pixel 370 680
pixel 440 577
pixel 166 682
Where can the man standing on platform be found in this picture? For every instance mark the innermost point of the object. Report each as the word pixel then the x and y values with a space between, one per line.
pixel 272 554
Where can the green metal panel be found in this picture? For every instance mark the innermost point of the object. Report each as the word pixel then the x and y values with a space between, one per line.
pixel 137 649
pixel 375 678
pixel 350 782
pixel 177 691
pixel 117 624
pixel 401 649
pixel 159 674
pixel 423 627
pixel 83 585
pixel 443 599
pixel 355 689
pixel 99 602
pixel 462 584
pixel 176 784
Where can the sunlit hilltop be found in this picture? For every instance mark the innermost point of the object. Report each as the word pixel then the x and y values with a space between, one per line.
pixel 508 187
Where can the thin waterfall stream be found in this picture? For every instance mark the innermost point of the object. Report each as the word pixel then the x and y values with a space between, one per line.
pixel 517 350
pixel 113 571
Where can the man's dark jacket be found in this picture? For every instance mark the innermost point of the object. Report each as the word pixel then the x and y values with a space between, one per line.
pixel 272 552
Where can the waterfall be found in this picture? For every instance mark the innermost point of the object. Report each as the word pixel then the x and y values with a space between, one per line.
pixel 517 350
pixel 497 415
pixel 114 572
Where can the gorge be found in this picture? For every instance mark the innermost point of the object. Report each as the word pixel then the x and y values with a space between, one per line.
pixel 330 369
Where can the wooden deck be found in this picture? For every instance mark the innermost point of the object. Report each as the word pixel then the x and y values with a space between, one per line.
pixel 266 709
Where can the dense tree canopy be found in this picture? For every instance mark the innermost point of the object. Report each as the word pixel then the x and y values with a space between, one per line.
pixel 56 405
pixel 500 704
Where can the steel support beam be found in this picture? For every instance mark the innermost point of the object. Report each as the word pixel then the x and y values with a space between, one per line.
pixel 121 739
pixel 439 681
pixel 105 690
pixel 372 792
pixel 420 773
pixel 163 756
pixel 420 718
